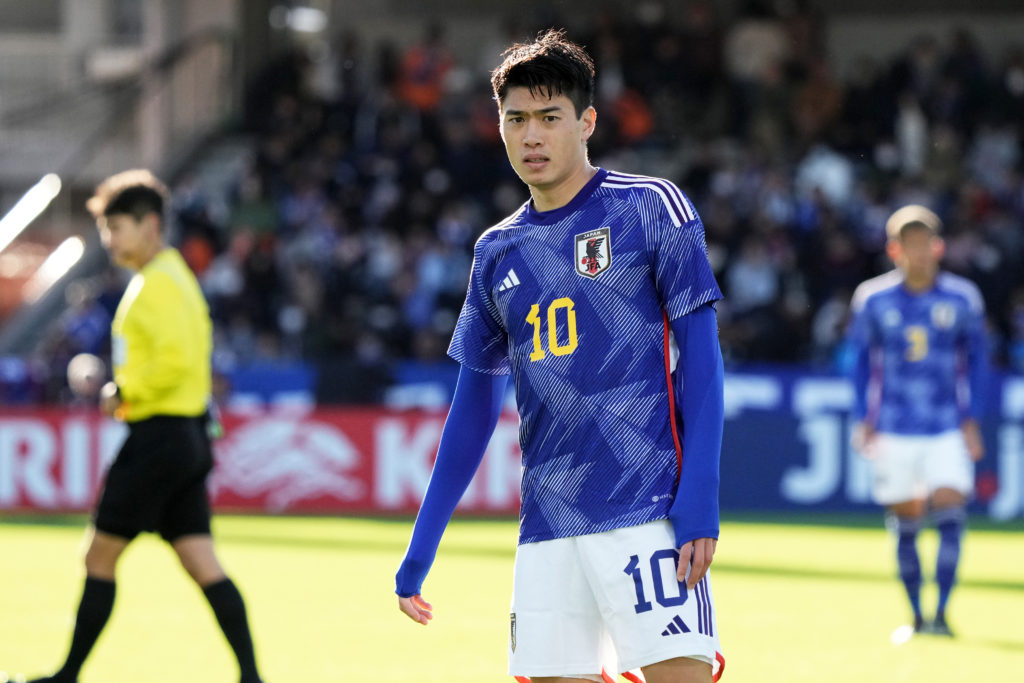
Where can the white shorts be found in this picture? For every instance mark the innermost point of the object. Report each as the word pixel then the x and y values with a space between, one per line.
pixel 912 467
pixel 606 601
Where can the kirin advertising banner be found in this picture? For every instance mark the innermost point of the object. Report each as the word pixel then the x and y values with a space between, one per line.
pixel 786 447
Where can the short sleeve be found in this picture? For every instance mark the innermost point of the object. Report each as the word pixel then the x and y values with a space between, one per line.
pixel 682 272
pixel 480 342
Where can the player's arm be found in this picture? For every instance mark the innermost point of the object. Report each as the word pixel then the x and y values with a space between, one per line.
pixel 677 252
pixel 977 378
pixel 864 429
pixel 475 409
pixel 858 338
pixel 699 396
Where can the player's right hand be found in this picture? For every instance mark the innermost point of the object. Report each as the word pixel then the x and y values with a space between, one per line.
pixel 417 609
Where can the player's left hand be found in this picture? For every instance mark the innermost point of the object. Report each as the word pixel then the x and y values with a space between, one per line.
pixel 695 557
pixel 417 609
pixel 972 439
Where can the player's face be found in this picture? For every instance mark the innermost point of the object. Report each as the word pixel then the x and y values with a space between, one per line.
pixel 547 144
pixel 917 253
pixel 128 240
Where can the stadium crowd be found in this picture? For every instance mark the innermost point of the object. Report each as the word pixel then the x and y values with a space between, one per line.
pixel 347 239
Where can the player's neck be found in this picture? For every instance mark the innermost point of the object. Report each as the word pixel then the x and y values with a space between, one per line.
pixel 919 282
pixel 549 198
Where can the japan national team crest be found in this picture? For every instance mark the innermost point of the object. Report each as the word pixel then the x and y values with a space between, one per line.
pixel 943 315
pixel 594 252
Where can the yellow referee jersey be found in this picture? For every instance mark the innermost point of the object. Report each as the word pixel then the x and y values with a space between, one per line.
pixel 161 342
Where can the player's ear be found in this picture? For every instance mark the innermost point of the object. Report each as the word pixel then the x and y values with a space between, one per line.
pixel 894 250
pixel 151 221
pixel 938 248
pixel 589 121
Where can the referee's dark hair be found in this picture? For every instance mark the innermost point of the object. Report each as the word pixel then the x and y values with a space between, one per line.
pixel 551 65
pixel 136 192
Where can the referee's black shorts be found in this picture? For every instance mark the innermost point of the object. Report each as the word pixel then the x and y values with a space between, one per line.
pixel 158 480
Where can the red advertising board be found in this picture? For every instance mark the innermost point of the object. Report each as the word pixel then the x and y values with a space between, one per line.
pixel 324 461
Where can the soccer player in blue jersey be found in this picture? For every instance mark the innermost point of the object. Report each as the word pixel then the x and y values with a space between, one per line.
pixel 921 361
pixel 596 296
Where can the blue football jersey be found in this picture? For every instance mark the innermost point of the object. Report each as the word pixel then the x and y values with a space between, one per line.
pixel 575 304
pixel 920 345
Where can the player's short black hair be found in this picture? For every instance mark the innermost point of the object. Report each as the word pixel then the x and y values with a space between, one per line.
pixel 136 192
pixel 551 65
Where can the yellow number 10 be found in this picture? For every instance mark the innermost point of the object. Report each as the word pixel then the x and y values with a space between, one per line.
pixel 553 345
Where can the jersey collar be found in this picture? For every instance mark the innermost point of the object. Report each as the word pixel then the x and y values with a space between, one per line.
pixel 555 215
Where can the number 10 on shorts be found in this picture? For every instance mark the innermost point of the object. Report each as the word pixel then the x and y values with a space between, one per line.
pixel 662 562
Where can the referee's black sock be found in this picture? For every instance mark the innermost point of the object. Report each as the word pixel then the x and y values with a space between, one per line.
pixel 93 612
pixel 229 609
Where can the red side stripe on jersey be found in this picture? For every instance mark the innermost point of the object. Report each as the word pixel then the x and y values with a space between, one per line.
pixel 632 677
pixel 672 401
pixel 522 679
pixel 607 677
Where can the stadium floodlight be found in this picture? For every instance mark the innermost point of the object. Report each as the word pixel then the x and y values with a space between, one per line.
pixel 54 267
pixel 28 208
pixel 299 19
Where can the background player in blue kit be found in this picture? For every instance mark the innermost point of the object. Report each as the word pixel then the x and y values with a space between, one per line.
pixel 919 340
pixel 597 297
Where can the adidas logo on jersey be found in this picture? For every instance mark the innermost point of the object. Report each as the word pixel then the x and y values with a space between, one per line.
pixel 509 282
pixel 675 627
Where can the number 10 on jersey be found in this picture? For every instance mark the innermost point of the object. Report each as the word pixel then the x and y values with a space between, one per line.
pixel 558 349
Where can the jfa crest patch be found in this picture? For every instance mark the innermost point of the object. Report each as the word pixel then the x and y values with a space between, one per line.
pixel 892 318
pixel 512 631
pixel 943 315
pixel 594 252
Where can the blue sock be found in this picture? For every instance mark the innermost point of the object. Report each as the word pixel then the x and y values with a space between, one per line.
pixel 950 523
pixel 906 529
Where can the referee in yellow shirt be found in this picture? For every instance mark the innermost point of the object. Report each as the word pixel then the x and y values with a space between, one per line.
pixel 161 357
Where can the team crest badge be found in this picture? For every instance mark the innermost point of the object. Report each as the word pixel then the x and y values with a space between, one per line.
pixel 943 316
pixel 594 252
pixel 892 318
pixel 512 631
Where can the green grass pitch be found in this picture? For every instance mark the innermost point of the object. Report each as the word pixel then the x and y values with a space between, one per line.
pixel 799 599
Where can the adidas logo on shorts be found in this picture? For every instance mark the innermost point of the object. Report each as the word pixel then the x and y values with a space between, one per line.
pixel 675 626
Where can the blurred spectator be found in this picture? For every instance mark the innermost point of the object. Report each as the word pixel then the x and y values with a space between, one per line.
pixel 752 282
pixel 755 50
pixel 817 103
pixel 423 70
pixel 347 239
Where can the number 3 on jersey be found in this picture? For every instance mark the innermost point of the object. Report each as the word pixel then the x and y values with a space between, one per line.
pixel 554 346
pixel 917 343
